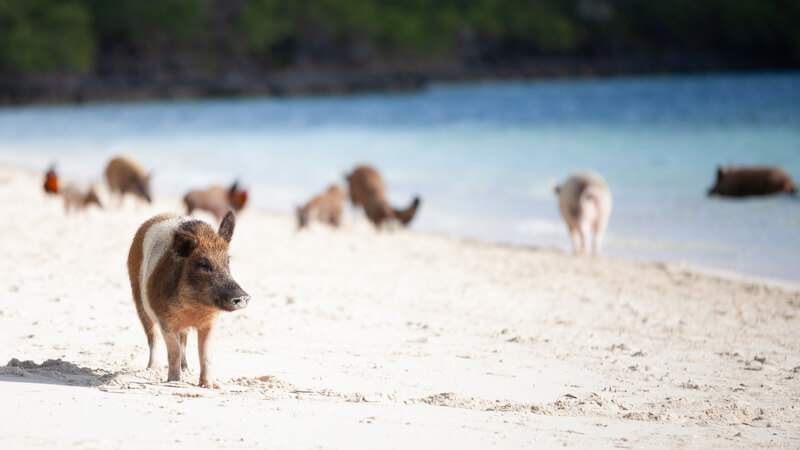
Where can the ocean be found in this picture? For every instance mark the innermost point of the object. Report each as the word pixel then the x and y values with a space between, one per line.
pixel 484 156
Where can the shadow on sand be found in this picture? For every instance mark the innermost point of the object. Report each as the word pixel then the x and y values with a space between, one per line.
pixel 55 371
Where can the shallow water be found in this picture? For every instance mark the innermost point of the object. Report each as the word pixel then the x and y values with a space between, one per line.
pixel 483 156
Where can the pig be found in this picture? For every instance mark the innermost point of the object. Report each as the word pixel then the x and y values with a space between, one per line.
pixel 180 279
pixel 585 203
pixel 79 199
pixel 217 200
pixel 124 175
pixel 752 181
pixel 325 207
pixel 367 190
pixel 51 181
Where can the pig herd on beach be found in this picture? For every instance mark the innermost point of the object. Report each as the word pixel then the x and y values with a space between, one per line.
pixel 179 267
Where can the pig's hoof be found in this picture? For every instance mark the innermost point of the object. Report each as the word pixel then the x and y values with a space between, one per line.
pixel 209 384
pixel 177 378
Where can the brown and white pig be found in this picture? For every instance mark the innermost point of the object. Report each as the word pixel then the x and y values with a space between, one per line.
pixel 325 207
pixel 124 175
pixel 79 199
pixel 585 203
pixel 217 200
pixel 367 190
pixel 180 279
pixel 751 181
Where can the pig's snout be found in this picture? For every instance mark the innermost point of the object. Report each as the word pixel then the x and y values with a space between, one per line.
pixel 235 298
pixel 240 302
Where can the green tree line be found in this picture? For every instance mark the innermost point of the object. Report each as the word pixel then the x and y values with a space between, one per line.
pixel 79 36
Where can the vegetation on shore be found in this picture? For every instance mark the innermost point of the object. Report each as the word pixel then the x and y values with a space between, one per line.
pixel 169 39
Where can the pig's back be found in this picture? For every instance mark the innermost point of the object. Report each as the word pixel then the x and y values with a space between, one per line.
pixel 365 183
pixel 212 199
pixel 157 240
pixel 71 192
pixel 571 194
pixel 121 171
pixel 151 243
pixel 757 181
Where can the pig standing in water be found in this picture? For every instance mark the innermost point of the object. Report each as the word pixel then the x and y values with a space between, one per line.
pixel 585 203
pixel 749 181
pixel 180 279
pixel 125 175
pixel 325 207
pixel 366 190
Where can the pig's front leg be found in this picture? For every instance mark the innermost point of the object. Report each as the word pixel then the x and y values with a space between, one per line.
pixel 184 335
pixel 574 234
pixel 172 339
pixel 204 349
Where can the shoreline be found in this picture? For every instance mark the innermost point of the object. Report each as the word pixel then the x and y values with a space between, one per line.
pixel 677 265
pixel 55 90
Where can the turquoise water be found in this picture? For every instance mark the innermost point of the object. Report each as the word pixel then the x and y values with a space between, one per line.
pixel 483 156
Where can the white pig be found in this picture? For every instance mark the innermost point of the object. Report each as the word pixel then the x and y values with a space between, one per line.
pixel 585 203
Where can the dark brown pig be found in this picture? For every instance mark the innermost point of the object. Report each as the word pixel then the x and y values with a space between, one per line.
pixel 751 181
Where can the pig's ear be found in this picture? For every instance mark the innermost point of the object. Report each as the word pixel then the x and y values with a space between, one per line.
pixel 184 243
pixel 227 226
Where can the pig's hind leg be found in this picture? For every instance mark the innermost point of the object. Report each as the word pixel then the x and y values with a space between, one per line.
pixel 151 330
pixel 574 235
pixel 152 341
pixel 183 336
pixel 577 243
pixel 599 234
pixel 584 232
pixel 600 227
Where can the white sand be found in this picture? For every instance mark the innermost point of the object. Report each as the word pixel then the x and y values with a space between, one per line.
pixel 387 340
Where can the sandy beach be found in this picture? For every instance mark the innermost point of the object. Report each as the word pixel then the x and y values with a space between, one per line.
pixel 361 339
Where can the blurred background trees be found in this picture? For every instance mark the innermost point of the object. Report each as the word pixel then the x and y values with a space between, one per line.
pixel 45 36
pixel 167 38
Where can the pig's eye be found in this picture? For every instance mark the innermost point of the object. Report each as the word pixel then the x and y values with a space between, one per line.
pixel 204 264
